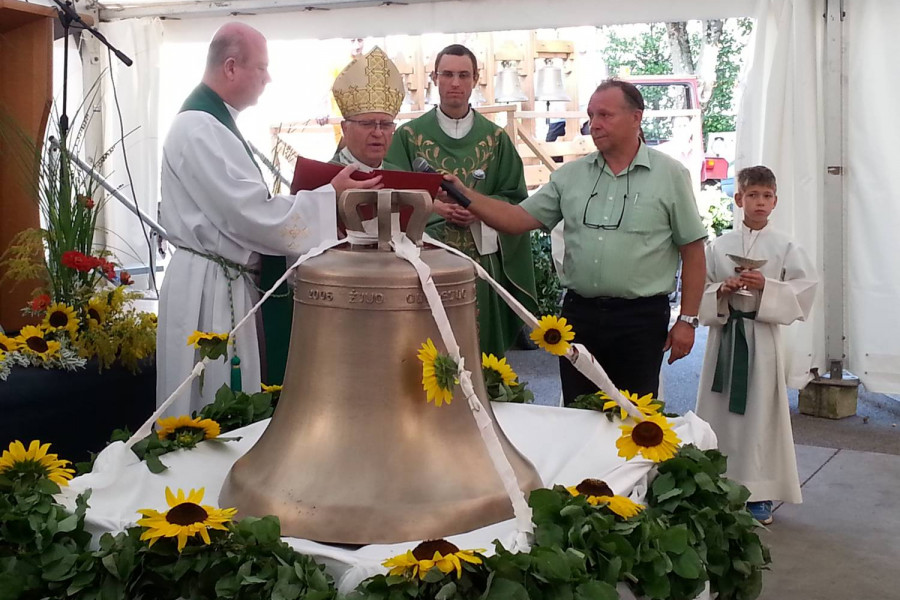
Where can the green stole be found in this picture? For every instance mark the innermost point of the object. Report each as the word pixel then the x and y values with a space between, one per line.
pixel 734 352
pixel 277 310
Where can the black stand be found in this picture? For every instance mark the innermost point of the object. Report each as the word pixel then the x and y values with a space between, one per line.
pixel 67 16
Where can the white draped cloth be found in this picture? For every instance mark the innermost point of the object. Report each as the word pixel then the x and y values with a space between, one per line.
pixel 759 444
pixel 215 203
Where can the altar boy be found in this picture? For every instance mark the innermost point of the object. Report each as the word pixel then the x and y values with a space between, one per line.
pixel 743 391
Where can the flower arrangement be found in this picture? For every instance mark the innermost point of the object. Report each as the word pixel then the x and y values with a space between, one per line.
pixel 81 308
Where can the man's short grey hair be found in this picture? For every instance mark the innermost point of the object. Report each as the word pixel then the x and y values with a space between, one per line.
pixel 224 46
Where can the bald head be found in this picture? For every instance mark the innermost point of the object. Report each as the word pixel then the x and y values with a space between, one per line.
pixel 237 64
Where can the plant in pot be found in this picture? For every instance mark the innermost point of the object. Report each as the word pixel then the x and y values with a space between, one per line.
pixel 86 339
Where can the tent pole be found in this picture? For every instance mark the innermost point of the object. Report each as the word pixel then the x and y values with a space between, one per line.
pixel 833 217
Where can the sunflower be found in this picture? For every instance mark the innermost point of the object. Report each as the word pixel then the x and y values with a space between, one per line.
pixel 185 518
pixel 271 389
pixel 596 492
pixel 489 361
pixel 8 344
pixel 645 403
pixel 31 341
pixel 96 311
pixel 653 438
pixel 61 317
pixel 35 460
pixel 553 334
pixel 429 554
pixel 438 374
pixel 186 430
pixel 201 338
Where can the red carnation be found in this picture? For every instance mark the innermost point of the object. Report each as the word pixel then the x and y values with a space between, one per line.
pixel 40 303
pixel 125 278
pixel 78 261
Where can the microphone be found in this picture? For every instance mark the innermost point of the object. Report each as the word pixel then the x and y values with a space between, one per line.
pixel 420 165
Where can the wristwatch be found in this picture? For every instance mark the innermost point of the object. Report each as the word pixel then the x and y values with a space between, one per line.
pixel 692 320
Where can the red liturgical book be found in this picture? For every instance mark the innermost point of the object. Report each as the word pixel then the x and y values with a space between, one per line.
pixel 311 174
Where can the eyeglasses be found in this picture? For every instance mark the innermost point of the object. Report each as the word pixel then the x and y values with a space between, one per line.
pixel 449 75
pixel 587 204
pixel 369 125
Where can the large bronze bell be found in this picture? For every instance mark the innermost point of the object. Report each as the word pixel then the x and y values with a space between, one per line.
pixel 354 454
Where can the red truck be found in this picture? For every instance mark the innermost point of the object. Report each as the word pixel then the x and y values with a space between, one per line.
pixel 672 123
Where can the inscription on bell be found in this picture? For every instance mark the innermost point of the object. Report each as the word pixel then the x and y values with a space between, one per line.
pixel 400 298
pixel 366 297
pixel 446 295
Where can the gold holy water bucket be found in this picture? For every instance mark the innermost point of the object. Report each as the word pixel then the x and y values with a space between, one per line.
pixel 354 454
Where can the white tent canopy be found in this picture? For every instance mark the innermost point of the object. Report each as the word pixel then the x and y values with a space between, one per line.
pixel 820 117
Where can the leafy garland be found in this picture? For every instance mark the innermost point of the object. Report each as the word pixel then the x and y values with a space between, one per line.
pixel 695 529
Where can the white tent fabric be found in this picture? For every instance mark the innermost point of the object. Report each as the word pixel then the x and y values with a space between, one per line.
pixel 137 89
pixel 873 200
pixel 780 126
pixel 460 16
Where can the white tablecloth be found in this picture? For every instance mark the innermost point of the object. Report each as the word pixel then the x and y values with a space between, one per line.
pixel 565 445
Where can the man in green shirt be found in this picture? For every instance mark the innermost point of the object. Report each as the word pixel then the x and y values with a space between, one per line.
pixel 453 138
pixel 629 213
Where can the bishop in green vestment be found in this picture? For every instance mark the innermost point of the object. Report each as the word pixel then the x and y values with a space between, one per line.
pixel 369 93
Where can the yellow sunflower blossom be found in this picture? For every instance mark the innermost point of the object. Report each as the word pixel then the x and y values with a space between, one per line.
pixel 438 374
pixel 645 403
pixel 653 438
pixel 272 389
pixel 96 311
pixel 31 341
pixel 35 460
pixel 61 317
pixel 8 344
pixel 428 555
pixel 172 427
pixel 184 519
pixel 553 334
pixel 199 338
pixel 489 361
pixel 597 492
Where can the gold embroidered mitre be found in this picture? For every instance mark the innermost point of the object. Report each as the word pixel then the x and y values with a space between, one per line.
pixel 371 83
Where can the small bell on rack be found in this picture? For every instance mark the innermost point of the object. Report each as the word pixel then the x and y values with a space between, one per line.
pixel 508 83
pixel 548 83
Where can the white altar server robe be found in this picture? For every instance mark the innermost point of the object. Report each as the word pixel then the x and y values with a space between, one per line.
pixel 759 444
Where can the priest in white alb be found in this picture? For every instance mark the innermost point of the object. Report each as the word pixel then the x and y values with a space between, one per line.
pixel 221 218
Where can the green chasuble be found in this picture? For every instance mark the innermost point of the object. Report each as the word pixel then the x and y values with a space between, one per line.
pixel 278 311
pixel 488 148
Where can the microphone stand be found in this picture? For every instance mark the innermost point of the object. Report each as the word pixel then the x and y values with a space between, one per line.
pixel 68 15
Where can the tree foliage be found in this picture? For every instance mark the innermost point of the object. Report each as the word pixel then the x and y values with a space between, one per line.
pixel 647 50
